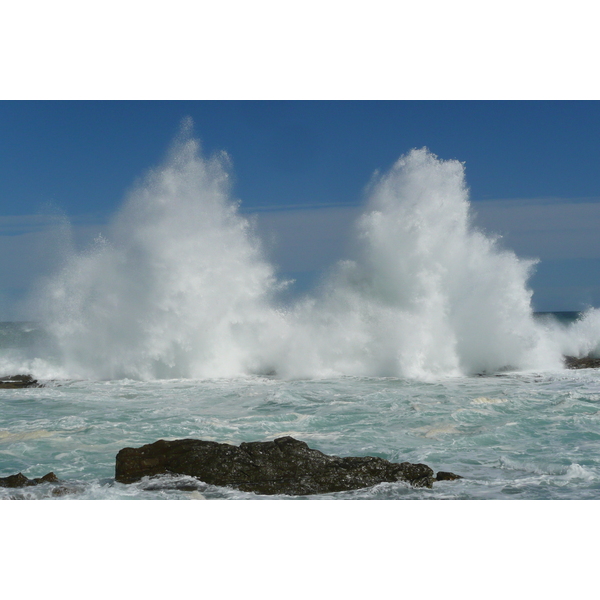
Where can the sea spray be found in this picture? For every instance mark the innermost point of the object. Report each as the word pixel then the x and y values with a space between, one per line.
pixel 428 294
pixel 180 287
pixel 580 338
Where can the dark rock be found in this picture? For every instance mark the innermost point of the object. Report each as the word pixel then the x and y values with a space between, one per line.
pixel 18 381
pixel 48 478
pixel 15 481
pixel 284 466
pixel 446 476
pixel 19 480
pixel 587 362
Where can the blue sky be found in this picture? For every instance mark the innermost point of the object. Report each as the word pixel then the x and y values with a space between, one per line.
pixel 532 169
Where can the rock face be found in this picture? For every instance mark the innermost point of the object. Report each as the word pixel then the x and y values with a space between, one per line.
pixel 587 362
pixel 18 381
pixel 284 466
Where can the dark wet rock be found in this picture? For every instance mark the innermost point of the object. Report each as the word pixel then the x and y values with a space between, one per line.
pixel 19 480
pixel 18 381
pixel 48 478
pixel 446 476
pixel 15 481
pixel 587 362
pixel 283 466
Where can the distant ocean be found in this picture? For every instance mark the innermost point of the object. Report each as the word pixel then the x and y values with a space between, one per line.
pixel 422 346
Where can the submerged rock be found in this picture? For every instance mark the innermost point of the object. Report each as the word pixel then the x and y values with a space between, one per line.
pixel 18 381
pixel 587 362
pixel 283 466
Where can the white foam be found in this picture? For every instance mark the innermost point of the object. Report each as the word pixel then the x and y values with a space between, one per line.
pixel 484 400
pixel 577 471
pixel 8 437
pixel 438 430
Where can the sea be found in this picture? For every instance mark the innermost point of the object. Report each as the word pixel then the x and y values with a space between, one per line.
pixel 510 435
pixel 421 346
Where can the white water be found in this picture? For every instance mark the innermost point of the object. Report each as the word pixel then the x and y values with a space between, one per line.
pixel 180 288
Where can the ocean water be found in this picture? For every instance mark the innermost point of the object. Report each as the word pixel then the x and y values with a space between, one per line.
pixel 422 346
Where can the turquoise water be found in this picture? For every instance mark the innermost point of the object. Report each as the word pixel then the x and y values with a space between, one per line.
pixel 521 435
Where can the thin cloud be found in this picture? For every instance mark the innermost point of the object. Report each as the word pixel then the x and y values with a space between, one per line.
pixel 544 228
